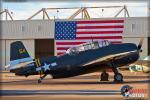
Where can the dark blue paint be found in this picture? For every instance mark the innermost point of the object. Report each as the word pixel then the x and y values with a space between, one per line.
pixel 71 65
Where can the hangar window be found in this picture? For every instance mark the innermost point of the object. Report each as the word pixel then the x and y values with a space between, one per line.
pixel 132 27
pixel 22 28
pixel 39 28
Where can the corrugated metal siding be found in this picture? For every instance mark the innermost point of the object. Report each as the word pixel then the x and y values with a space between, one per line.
pixel 35 29
pixel 29 45
pixel 2 54
pixel 27 29
pixel 136 27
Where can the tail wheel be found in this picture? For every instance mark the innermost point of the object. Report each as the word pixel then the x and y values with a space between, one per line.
pixel 39 81
pixel 118 77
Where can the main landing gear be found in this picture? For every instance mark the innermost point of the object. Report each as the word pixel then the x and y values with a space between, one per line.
pixel 118 77
pixel 104 76
pixel 41 78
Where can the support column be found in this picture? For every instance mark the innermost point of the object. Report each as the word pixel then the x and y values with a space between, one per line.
pixel 149 45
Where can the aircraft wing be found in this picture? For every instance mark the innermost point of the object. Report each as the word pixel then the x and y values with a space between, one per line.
pixel 107 59
pixel 142 63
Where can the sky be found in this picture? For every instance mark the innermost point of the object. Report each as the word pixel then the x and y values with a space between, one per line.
pixel 23 10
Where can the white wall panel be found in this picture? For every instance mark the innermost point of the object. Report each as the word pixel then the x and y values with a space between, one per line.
pixel 27 29
pixel 136 27
pixel 2 54
pixel 35 29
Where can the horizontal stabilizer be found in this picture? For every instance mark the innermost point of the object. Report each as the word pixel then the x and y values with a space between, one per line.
pixel 20 65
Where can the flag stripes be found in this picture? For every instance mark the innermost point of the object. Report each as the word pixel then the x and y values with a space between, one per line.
pixel 74 33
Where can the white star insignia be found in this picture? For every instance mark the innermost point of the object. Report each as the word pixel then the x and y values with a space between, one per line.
pixel 46 67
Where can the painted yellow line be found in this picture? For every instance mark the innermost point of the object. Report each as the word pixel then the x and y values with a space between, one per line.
pixel 39 63
pixel 36 63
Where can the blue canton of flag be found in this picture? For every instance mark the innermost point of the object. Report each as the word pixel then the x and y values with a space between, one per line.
pixel 65 30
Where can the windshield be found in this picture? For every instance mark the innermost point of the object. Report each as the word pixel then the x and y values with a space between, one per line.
pixel 87 46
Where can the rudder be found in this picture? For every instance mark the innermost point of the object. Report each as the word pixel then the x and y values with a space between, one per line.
pixel 18 51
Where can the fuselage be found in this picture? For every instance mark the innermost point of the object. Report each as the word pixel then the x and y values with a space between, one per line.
pixel 68 65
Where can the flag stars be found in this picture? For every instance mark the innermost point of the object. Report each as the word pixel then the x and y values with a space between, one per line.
pixel 65 30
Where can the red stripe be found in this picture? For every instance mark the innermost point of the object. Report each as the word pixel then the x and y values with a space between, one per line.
pixel 60 53
pixel 69 43
pixel 101 37
pixel 102 21
pixel 95 27
pixel 116 42
pixel 62 48
pixel 100 32
pixel 65 43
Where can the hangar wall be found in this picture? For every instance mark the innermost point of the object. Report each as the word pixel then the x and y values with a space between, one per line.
pixel 23 29
pixel 2 53
pixel 28 31
pixel 136 28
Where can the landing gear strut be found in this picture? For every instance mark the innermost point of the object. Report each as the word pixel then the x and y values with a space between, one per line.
pixel 104 76
pixel 41 78
pixel 118 77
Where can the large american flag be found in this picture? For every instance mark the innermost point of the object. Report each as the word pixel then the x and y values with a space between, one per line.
pixel 72 33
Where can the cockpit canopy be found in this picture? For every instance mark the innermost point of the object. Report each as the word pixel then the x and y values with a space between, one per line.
pixel 88 46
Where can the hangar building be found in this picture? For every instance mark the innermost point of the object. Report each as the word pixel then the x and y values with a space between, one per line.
pixel 38 36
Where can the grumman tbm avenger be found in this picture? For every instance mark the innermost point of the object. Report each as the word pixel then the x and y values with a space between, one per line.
pixel 83 59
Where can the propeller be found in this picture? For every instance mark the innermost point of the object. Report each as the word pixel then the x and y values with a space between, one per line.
pixel 139 47
pixel 140 44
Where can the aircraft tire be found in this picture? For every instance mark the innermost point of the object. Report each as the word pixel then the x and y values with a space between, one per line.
pixel 118 77
pixel 39 81
pixel 104 76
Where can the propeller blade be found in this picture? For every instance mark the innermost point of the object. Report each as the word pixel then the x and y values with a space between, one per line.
pixel 140 43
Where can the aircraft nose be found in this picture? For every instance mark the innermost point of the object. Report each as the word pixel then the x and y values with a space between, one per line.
pixel 132 47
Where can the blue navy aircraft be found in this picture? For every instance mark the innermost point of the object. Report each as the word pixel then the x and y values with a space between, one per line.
pixel 83 59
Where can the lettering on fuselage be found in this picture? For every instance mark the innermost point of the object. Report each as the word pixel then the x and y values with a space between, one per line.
pixel 22 51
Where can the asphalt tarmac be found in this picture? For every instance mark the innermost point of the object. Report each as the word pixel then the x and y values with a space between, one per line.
pixel 85 87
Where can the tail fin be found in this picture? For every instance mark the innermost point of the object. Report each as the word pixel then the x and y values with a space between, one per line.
pixel 18 53
pixel 19 58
